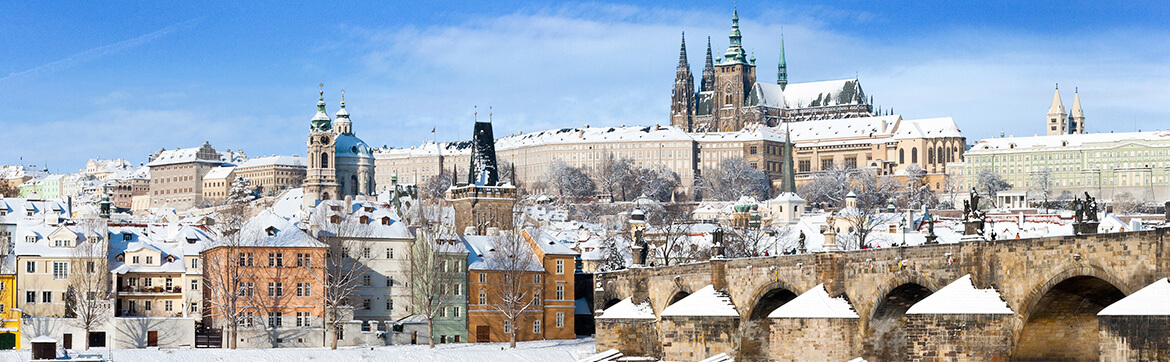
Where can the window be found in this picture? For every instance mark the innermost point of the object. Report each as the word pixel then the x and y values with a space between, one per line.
pixel 914 155
pixel 134 259
pixel 482 297
pixel 826 164
pixel 194 307
pixel 132 306
pixel 169 306
pixel 560 319
pixel 275 289
pixel 90 267
pixel 60 270
pixel 536 297
pixel 850 162
pixel 389 281
pixel 366 280
pixel 276 260
pixel 149 260
pixel 195 284
pixel 560 292
pixel 147 281
pixel 483 277
pixel 366 252
pixel 389 305
pixel 274 319
pixel 303 260
pixel 389 253
pixel 751 150
pixel 302 319
pixel 300 289
pixel 507 327
pixel 560 267
pixel 536 325
pixel 901 156
pixel 536 278
pixel 308 289
pixel 46 297
pixel 30 296
pixel 366 304
pixel 169 284
pixel 30 238
pixel 805 165
pixel 30 266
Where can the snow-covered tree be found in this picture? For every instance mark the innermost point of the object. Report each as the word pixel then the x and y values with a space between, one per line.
pixel 917 192
pixel 617 253
pixel 89 300
pixel 732 179
pixel 615 176
pixel 512 286
pixel 435 262
pixel 990 182
pixel 658 182
pixel 827 187
pixel 1040 186
pixel 570 181
pixel 435 188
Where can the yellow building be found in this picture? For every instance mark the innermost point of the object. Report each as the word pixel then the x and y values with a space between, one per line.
pixel 10 330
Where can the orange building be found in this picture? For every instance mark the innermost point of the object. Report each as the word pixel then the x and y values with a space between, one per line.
pixel 281 288
pixel 547 279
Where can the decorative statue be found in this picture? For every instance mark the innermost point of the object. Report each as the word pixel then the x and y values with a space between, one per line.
pixel 1079 206
pixel 967 210
pixel 1091 209
pixel 974 199
pixel 802 249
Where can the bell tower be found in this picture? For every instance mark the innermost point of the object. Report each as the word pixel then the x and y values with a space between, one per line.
pixel 321 176
pixel 734 78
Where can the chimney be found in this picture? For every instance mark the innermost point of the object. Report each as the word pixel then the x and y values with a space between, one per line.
pixel 348 204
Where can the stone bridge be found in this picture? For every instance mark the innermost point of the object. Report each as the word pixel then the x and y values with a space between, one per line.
pixel 1054 286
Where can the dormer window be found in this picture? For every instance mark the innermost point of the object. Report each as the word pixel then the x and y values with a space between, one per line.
pixel 134 259
pixel 60 243
pixel 30 239
pixel 369 209
pixel 335 219
pixel 93 239
pixel 385 220
pixel 29 213
pixel 271 230
pixel 127 236
pixel 191 240
pixel 149 260
pixel 170 258
pixel 365 220
pixel 334 207
pixel 121 258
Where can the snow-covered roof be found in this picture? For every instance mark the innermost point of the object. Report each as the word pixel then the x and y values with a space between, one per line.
pixel 140 239
pixel 219 173
pixel 961 297
pixel 593 134
pixel 288 204
pixel 480 250
pixel 626 309
pixel 374 211
pixel 823 93
pixel 815 303
pixel 767 95
pixel 293 161
pixel 1067 141
pixel 1154 299
pixel 927 128
pixel 750 132
pixel 181 155
pixel 269 230
pixel 549 244
pixel 821 131
pixel 706 302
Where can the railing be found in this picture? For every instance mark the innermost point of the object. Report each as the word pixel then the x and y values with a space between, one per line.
pixel 136 289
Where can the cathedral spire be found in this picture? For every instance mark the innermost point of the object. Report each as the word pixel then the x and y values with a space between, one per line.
pixel 1057 122
pixel 735 52
pixel 782 68
pixel 1057 107
pixel 1077 114
pixel 789 172
pixel 708 83
pixel 682 54
pixel 683 97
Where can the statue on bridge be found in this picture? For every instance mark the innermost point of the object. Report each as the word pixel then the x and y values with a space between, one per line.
pixel 973 218
pixel 1085 220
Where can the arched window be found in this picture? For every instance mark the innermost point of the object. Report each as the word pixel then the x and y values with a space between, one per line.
pixel 901 156
pixel 914 155
pixel 929 155
pixel 939 151
pixel 324 160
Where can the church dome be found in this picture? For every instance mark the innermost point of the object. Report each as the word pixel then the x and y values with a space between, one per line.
pixel 351 146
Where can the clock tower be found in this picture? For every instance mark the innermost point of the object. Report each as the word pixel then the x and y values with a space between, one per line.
pixel 321 176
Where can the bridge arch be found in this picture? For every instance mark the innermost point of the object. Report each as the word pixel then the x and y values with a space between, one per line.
pixel 884 324
pixel 755 327
pixel 768 297
pixel 1066 304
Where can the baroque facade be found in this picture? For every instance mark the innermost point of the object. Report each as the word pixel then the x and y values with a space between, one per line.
pixel 340 164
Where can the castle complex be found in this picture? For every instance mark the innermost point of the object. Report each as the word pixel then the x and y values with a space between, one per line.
pixel 729 97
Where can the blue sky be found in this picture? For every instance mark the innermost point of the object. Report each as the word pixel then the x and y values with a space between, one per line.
pixel 123 80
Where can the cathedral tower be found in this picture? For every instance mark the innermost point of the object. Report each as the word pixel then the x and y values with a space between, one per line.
pixel 1057 124
pixel 782 68
pixel 1076 115
pixel 320 177
pixel 708 71
pixel 682 100
pixel 734 78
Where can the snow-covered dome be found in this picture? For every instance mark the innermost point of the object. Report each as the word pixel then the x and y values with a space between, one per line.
pixel 351 146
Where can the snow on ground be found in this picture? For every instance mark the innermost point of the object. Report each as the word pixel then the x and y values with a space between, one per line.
pixel 961 297
pixel 1154 299
pixel 553 350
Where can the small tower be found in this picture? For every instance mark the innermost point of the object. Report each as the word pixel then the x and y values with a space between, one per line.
pixel 320 176
pixel 343 124
pixel 682 100
pixel 782 68
pixel 1057 123
pixel 787 207
pixel 708 71
pixel 1077 115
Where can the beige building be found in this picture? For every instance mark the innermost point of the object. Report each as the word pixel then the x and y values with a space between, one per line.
pixel 157 270
pixel 100 168
pixel 48 250
pixel 273 174
pixel 217 183
pixel 176 176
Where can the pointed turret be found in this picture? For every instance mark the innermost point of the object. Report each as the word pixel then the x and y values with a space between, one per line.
pixel 789 173
pixel 343 124
pixel 682 101
pixel 1077 115
pixel 735 52
pixel 708 71
pixel 1057 124
pixel 321 121
pixel 782 68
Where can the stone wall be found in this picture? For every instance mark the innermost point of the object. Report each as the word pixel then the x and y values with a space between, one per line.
pixel 1134 338
pixel 696 338
pixel 933 337
pixel 634 337
pixel 819 339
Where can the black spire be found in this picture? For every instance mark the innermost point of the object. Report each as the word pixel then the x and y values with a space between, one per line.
pixel 682 54
pixel 708 71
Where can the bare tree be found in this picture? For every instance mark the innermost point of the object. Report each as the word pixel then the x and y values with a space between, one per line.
pixel 860 224
pixel 990 182
pixel 435 188
pixel 6 190
pixel 434 263
pixel 617 252
pixel 1040 186
pixel 89 298
pixel 570 181
pixel 917 192
pixel 828 187
pixel 658 182
pixel 669 233
pixel 224 269
pixel 734 178
pixel 615 176
pixel 952 185
pixel 348 250
pixel 513 288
